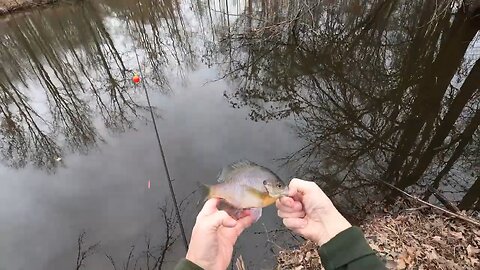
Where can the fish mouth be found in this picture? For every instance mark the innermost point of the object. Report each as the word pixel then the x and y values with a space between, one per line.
pixel 279 193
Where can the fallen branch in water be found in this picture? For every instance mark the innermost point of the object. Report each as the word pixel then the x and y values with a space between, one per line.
pixel 464 218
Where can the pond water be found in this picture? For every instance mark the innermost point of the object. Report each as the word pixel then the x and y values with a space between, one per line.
pixel 342 93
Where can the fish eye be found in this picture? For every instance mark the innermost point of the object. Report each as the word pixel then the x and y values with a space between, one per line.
pixel 279 185
pixel 265 182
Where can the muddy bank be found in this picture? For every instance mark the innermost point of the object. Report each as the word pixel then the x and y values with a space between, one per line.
pixel 10 6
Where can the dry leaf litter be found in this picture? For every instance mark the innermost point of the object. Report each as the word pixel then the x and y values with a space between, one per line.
pixel 410 239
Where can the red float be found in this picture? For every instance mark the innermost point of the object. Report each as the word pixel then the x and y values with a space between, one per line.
pixel 136 78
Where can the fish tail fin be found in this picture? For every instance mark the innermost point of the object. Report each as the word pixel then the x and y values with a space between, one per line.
pixel 205 193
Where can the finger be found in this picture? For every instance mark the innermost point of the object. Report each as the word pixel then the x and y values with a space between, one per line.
pixel 292 190
pixel 220 218
pixel 298 197
pixel 298 214
pixel 243 223
pixel 295 223
pixel 229 222
pixel 209 207
pixel 287 204
pixel 244 213
pixel 246 221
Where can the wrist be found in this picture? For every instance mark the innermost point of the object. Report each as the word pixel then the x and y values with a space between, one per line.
pixel 193 259
pixel 331 226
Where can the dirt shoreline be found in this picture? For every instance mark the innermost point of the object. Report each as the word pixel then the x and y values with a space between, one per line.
pixel 11 6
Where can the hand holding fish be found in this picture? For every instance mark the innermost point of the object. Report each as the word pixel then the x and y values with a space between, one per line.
pixel 310 213
pixel 214 235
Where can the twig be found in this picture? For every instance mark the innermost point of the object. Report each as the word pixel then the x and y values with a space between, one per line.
pixel 467 219
pixel 130 256
pixel 83 254
pixel 449 205
pixel 268 238
pixel 416 208
pixel 240 264
pixel 110 258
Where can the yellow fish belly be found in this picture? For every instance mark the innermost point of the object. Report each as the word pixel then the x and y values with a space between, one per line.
pixel 241 197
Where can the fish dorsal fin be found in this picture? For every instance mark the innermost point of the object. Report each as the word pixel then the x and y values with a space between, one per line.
pixel 222 177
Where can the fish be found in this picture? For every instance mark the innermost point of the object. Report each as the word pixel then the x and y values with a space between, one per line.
pixel 246 185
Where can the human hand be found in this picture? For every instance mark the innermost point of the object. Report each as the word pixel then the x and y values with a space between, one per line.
pixel 310 213
pixel 214 235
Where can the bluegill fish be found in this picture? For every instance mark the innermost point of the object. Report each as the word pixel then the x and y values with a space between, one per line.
pixel 246 185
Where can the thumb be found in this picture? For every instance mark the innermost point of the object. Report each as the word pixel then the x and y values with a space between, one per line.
pixel 221 218
pixel 301 186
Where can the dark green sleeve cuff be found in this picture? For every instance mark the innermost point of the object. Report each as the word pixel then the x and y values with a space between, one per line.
pixel 185 264
pixel 349 250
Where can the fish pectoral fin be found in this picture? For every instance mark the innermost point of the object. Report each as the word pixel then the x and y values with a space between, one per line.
pixel 256 213
pixel 237 213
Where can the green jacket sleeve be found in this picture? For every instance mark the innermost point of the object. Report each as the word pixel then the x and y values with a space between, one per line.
pixel 349 251
pixel 185 264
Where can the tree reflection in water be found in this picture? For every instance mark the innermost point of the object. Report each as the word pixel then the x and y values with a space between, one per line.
pixel 386 91
pixel 68 59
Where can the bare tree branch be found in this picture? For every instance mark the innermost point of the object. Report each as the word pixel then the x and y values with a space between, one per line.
pixel 82 253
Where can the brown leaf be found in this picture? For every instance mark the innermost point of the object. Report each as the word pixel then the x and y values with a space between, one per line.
pixel 411 251
pixel 432 255
pixel 401 264
pixel 375 247
pixel 439 240
pixel 472 254
pixel 472 251
pixel 458 235
pixel 391 264
pixel 308 255
pixel 428 247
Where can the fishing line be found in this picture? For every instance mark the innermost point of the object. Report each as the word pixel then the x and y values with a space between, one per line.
pixel 170 185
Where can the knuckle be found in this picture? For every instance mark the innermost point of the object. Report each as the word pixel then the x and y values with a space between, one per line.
pixel 279 203
pixel 312 184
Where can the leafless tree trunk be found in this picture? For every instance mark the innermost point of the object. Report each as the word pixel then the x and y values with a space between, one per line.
pixel 431 90
pixel 468 89
pixel 472 196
